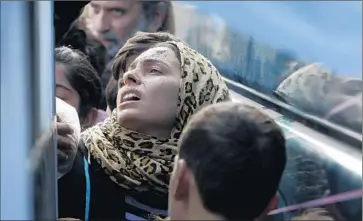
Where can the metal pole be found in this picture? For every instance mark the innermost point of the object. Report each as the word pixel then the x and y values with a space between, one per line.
pixel 44 161
pixel 28 156
pixel 16 181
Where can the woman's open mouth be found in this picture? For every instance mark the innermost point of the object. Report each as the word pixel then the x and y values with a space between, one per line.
pixel 129 98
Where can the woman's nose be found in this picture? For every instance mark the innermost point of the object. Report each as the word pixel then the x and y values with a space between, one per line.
pixel 131 78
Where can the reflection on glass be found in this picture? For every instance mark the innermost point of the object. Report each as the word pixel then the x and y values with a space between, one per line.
pixel 313 172
pixel 292 51
pixel 321 172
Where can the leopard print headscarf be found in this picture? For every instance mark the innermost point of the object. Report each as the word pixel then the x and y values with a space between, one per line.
pixel 138 161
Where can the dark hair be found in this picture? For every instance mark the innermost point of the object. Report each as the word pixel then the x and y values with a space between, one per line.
pixel 65 13
pixel 139 43
pixel 111 93
pixel 150 8
pixel 237 155
pixel 96 53
pixel 82 77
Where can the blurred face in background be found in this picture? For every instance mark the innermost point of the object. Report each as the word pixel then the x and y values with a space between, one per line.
pixel 114 22
pixel 66 92
pixel 63 89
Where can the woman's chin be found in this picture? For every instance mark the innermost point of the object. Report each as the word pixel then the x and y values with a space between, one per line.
pixel 128 116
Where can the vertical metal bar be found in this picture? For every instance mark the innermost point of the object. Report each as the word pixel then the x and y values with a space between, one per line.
pixel 42 76
pixel 27 110
pixel 16 181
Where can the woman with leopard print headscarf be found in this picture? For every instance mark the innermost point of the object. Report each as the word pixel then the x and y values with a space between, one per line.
pixel 131 153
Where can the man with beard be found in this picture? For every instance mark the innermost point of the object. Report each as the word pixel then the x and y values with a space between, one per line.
pixel 113 22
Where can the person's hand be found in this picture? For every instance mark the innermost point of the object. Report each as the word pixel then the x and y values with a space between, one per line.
pixel 63 140
pixel 67 147
pixel 68 135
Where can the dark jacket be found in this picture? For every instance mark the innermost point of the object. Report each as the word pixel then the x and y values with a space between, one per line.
pixel 107 200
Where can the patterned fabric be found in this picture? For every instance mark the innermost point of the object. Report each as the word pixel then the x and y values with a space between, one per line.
pixel 141 162
pixel 317 91
pixel 307 87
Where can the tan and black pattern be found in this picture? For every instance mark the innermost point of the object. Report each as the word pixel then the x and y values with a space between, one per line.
pixel 138 161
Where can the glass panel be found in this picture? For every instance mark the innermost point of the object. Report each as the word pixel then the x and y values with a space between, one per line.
pixel 318 168
pixel 306 54
pixel 42 75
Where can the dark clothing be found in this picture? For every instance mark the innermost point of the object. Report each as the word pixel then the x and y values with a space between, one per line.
pixel 108 201
pixel 65 13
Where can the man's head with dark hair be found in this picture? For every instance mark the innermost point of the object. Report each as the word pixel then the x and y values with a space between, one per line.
pixel 78 83
pixel 139 43
pixel 230 163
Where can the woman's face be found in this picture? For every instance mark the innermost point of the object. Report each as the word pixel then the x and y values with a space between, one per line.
pixel 147 101
pixel 67 93
pixel 63 88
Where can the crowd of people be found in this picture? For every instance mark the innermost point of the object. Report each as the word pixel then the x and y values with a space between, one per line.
pixel 159 129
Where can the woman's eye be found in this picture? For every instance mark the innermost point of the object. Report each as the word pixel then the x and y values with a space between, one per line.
pixel 62 98
pixel 155 71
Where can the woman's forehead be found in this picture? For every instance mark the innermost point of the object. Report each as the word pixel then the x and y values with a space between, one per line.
pixel 161 54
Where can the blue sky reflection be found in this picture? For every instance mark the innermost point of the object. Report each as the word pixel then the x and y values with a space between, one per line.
pixel 328 32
